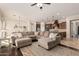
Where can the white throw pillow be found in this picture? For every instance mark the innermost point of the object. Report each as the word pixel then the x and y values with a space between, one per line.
pixel 53 36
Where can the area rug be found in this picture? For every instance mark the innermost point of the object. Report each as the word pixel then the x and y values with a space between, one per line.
pixel 35 50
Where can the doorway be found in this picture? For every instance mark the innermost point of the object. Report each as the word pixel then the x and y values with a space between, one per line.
pixel 74 28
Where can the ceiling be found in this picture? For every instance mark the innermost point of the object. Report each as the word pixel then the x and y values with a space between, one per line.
pixel 26 12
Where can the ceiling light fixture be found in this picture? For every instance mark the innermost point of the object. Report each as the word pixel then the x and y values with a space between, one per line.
pixel 40 4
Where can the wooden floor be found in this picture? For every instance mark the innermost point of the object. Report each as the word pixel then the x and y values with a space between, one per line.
pixel 35 50
pixel 72 43
pixel 13 52
pixel 66 48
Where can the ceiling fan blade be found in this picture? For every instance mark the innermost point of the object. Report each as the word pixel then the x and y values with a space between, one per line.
pixel 47 3
pixel 33 4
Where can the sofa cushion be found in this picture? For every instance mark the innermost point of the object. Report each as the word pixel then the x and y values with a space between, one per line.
pixel 41 33
pixel 24 34
pixel 46 34
pixel 19 35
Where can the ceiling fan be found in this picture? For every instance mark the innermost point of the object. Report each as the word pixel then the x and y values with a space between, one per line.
pixel 40 4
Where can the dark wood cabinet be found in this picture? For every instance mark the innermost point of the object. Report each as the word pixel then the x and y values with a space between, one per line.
pixel 62 25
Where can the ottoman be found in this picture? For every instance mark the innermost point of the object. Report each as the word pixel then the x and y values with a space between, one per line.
pixel 23 42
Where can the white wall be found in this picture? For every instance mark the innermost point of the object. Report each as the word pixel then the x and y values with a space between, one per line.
pixel 11 23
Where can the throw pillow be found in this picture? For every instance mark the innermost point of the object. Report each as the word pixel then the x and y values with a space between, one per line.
pixel 53 36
